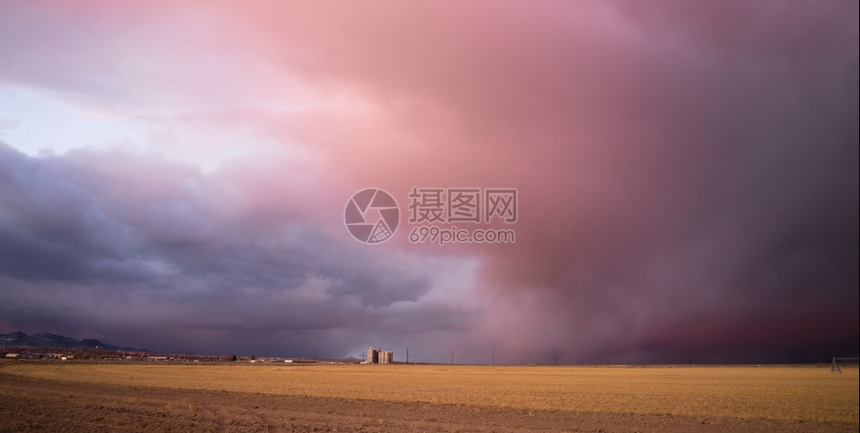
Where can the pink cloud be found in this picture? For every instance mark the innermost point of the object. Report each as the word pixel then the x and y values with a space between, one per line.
pixel 664 155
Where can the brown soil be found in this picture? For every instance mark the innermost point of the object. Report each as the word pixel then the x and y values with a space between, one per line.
pixel 30 405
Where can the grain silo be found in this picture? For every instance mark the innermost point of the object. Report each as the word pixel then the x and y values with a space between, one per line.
pixel 372 355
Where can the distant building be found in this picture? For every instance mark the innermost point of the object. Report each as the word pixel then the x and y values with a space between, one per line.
pixel 372 356
pixel 375 355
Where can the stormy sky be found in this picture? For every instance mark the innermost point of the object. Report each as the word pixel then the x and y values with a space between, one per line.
pixel 174 175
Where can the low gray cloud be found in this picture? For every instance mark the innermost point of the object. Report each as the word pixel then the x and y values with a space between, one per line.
pixel 76 257
pixel 687 177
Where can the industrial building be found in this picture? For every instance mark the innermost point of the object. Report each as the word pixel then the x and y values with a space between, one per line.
pixel 375 355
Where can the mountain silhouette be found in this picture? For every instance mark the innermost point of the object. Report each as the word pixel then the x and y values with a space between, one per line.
pixel 53 341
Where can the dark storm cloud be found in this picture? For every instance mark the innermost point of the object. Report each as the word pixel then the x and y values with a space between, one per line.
pixel 737 227
pixel 49 225
pixel 687 176
pixel 88 240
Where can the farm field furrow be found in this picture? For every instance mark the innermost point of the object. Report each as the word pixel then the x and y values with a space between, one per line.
pixel 793 393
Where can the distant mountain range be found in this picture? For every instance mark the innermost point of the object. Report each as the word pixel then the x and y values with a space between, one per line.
pixel 53 341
